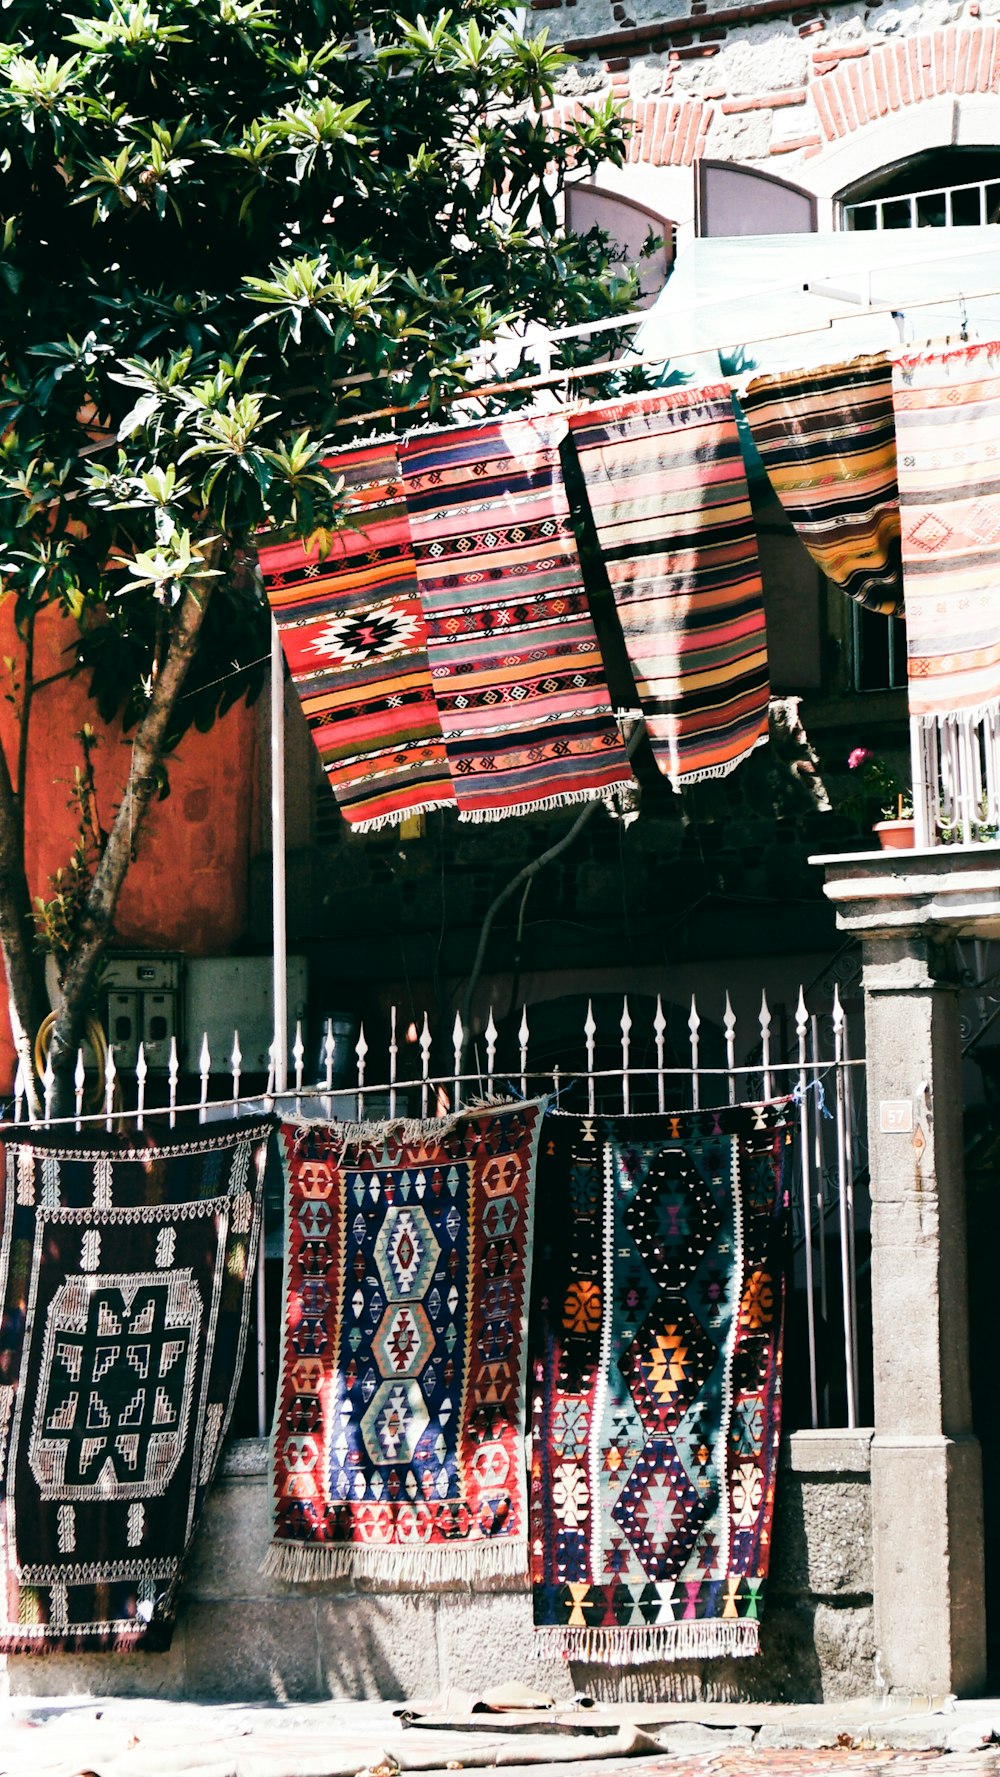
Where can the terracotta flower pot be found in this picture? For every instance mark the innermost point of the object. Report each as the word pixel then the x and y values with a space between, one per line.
pixel 895 835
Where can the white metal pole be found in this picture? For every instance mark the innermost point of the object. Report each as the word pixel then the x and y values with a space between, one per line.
pixel 279 938
pixel 279 949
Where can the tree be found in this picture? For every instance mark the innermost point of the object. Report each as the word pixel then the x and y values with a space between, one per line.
pixel 228 228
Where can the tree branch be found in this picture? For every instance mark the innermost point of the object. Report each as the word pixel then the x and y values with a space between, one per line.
pixel 27 694
pixel 97 919
pixel 27 1002
pixel 526 876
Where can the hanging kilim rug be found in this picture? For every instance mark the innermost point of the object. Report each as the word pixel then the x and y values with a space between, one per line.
pixel 947 424
pixel 827 438
pixel 665 479
pixel 516 669
pixel 125 1276
pixel 353 634
pixel 659 1260
pixel 398 1440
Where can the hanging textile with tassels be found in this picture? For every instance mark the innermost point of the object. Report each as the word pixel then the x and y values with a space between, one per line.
pixel 947 407
pixel 665 479
pixel 126 1274
pixel 516 668
pixel 659 1290
pixel 828 442
pixel 398 1444
pixel 353 634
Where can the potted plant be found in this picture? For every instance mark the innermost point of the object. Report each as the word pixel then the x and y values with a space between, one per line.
pixel 878 785
pixel 897 829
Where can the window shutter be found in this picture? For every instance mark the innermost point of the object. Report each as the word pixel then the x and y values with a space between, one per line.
pixel 734 200
pixel 627 223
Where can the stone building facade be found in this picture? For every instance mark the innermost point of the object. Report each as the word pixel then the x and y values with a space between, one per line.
pixel 823 98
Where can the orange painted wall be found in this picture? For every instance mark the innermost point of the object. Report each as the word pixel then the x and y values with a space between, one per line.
pixel 187 889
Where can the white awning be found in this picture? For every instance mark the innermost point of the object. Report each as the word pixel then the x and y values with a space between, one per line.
pixel 776 301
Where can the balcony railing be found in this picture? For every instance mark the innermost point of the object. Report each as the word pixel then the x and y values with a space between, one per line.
pixel 946 206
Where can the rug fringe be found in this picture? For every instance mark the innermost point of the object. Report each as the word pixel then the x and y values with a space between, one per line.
pixel 404 1129
pixel 565 799
pixel 959 754
pixel 415 1564
pixel 379 822
pixel 704 1638
pixel 683 780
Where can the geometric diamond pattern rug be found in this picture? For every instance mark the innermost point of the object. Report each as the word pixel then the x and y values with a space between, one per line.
pixel 125 1271
pixel 659 1265
pixel 947 407
pixel 398 1439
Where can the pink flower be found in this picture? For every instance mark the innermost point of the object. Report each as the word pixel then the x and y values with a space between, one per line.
pixel 860 756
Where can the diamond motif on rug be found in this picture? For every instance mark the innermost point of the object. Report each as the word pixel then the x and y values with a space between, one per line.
pixel 656 1382
pixel 414 1388
pixel 125 1293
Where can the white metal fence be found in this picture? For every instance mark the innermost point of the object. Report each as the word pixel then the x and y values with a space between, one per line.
pixel 642 1063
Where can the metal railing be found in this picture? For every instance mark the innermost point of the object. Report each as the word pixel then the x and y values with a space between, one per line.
pixel 640 1064
pixel 945 206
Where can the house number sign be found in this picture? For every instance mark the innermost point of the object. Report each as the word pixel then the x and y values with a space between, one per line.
pixel 895 1116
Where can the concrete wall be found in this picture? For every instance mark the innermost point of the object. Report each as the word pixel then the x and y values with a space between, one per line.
pixel 187 889
pixel 241 1637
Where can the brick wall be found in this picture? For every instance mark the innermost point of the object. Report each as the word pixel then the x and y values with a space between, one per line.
pixel 742 84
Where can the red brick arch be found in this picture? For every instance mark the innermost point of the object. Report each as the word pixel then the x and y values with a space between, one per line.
pixel 858 85
pixel 665 132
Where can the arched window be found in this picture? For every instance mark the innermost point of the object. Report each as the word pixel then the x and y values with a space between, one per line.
pixel 944 188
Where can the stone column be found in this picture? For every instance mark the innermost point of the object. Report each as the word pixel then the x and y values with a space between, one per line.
pixel 927 1502
pixel 926 1473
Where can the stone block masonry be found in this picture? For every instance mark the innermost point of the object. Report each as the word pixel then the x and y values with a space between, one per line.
pixel 745 84
pixel 242 1637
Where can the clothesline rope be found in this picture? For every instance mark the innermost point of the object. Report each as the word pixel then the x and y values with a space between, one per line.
pixel 609 366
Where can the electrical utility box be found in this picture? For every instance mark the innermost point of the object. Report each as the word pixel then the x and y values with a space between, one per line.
pixel 228 994
pixel 143 1006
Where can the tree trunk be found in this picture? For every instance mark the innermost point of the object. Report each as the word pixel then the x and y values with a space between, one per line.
pixel 27 1002
pixel 96 922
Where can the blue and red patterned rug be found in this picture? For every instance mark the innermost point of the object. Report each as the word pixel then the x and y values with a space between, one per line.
pixel 659 1263
pixel 398 1441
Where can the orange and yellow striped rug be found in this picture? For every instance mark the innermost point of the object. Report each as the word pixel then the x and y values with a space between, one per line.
pixel 827 439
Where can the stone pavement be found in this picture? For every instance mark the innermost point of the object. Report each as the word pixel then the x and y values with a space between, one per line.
pixel 84 1737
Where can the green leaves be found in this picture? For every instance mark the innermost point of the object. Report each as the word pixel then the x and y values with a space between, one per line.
pixel 165 571
pixel 228 228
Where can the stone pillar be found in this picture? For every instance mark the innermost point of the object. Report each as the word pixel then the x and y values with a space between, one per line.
pixel 927 1506
pixel 926 1473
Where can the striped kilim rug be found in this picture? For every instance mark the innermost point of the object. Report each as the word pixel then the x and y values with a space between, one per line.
pixel 353 634
pixel 659 1264
pixel 398 1439
pixel 947 407
pixel 666 483
pixel 827 438
pixel 125 1287
pixel 517 674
